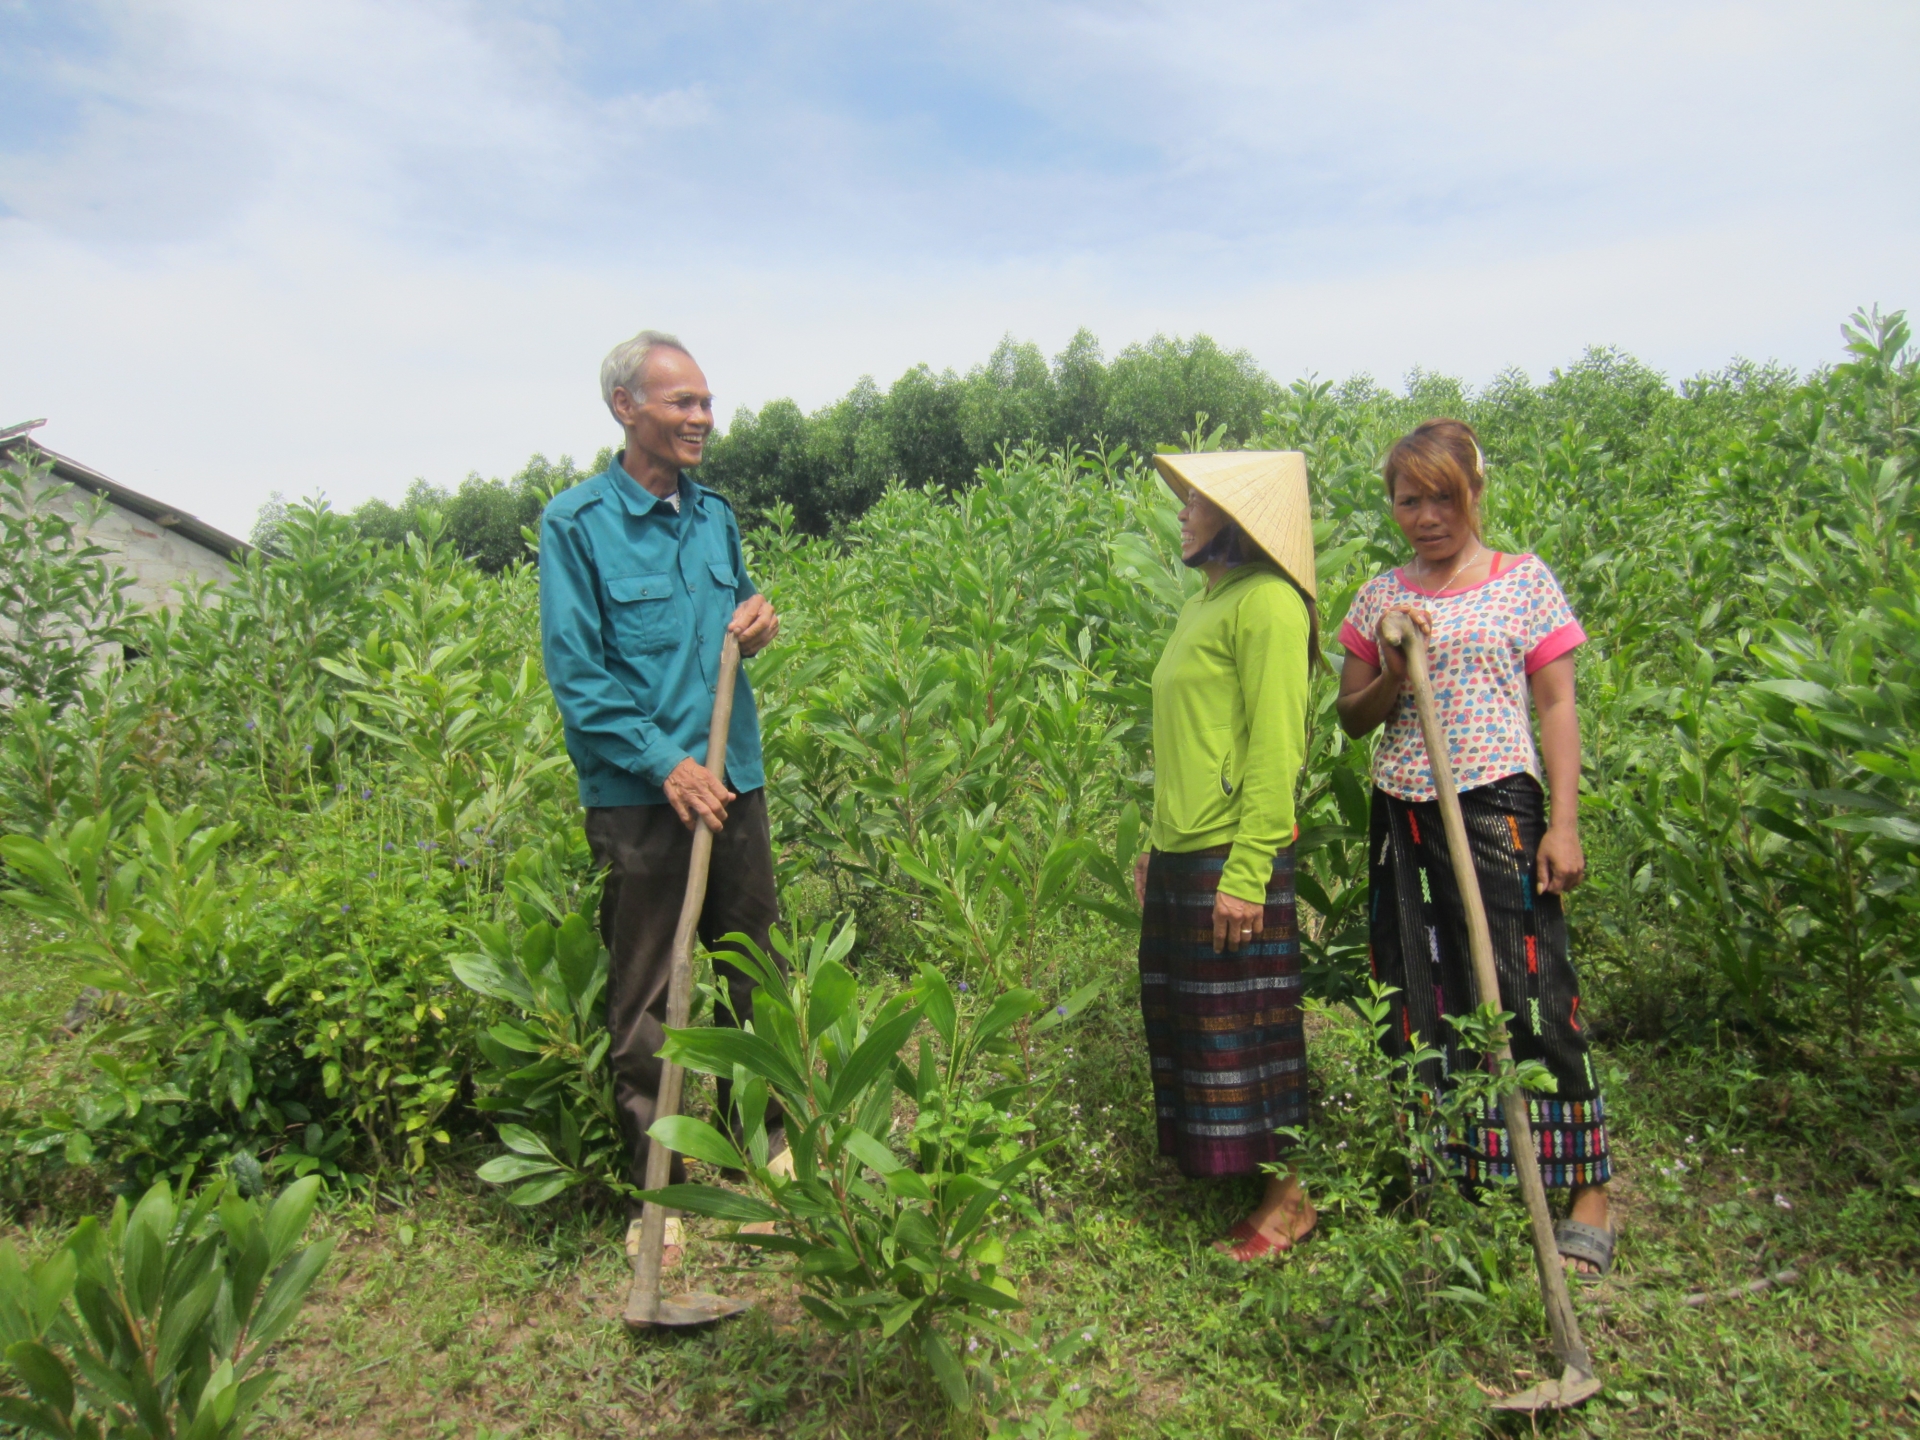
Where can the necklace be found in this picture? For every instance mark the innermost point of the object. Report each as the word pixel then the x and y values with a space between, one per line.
pixel 1471 557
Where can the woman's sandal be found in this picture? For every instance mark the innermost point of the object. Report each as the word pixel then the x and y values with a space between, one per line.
pixel 1245 1244
pixel 1591 1243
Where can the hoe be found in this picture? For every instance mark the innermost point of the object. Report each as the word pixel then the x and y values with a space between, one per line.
pixel 1577 1380
pixel 645 1307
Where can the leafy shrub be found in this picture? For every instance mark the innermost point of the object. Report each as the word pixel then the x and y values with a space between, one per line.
pixel 884 1242
pixel 1402 1257
pixel 549 1089
pixel 60 599
pixel 154 1326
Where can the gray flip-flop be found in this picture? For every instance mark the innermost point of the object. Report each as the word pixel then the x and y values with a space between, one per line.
pixel 1578 1241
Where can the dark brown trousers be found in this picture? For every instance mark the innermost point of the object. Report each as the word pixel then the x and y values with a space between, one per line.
pixel 645 851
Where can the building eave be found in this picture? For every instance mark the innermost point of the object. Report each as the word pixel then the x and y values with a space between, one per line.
pixel 168 517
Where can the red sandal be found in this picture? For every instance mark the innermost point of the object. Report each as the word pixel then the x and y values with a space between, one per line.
pixel 1253 1245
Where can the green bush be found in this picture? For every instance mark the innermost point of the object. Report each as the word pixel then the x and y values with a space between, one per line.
pixel 154 1326
pixel 885 1240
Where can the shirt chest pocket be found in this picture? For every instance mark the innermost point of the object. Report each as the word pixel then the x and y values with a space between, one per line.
pixel 641 611
pixel 722 572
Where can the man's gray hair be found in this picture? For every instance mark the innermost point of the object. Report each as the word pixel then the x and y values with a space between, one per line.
pixel 627 362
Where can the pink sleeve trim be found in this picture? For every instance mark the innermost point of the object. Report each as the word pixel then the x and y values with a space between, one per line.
pixel 1561 642
pixel 1361 648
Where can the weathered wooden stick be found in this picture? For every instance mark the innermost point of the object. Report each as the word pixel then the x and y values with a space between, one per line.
pixel 1398 630
pixel 643 1302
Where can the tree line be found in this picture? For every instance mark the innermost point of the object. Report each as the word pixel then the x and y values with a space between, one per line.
pixel 938 428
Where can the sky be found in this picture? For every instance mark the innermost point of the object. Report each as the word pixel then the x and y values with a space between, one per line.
pixel 326 249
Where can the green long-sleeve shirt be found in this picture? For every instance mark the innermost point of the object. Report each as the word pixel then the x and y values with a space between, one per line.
pixel 1230 724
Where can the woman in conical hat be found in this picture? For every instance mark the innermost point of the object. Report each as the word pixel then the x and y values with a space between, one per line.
pixel 1499 633
pixel 1219 949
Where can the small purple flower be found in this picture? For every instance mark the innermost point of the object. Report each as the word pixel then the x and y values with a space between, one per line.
pixel 338 788
pixel 963 987
pixel 459 862
pixel 367 794
pixel 389 845
pixel 345 908
pixel 307 748
pixel 1060 1010
pixel 373 874
pixel 249 724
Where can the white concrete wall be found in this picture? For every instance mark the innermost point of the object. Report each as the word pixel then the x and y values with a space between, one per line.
pixel 156 557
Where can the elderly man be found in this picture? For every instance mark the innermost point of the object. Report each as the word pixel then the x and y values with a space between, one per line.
pixel 641 575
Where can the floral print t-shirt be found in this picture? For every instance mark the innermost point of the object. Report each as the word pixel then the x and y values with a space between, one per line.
pixel 1487 639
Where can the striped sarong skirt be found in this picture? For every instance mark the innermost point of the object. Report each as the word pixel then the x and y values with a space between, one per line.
pixel 1418 944
pixel 1223 1027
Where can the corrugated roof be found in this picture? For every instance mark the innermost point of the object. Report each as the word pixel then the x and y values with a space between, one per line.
pixel 166 516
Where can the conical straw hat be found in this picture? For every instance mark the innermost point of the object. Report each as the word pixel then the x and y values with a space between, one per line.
pixel 1262 491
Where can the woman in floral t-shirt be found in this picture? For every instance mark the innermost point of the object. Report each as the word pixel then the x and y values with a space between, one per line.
pixel 1498 632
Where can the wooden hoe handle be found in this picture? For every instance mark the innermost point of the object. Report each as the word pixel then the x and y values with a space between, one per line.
pixel 643 1305
pixel 1400 631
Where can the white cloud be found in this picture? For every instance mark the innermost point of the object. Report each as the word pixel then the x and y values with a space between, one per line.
pixel 254 247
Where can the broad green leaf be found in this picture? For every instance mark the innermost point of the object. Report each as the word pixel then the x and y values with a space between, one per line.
pixel 711 1201
pixel 1005 1012
pixel 946 1369
pixel 828 1315
pixel 523 1141
pixel 46 1378
pixel 935 998
pixel 1068 1008
pixel 578 954
pixel 899 1315
pixel 716 1049
pixel 503 1169
pixel 286 1222
pixel 538 1192
pixel 875 1056
pixel 482 973
pixel 830 995
pixel 870 1152
pixel 285 1294
pixel 975 1293
pixel 687 1136
pixel 908 1185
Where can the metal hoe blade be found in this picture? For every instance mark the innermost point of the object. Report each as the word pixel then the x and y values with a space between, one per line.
pixel 1574 1387
pixel 696 1308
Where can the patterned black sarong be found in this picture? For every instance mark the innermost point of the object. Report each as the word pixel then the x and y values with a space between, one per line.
pixel 1223 1027
pixel 1419 944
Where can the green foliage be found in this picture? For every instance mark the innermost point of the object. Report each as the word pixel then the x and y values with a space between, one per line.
pixel 944 431
pixel 891 1232
pixel 154 1326
pixel 548 1087
pixel 488 521
pixel 321 846
pixel 60 599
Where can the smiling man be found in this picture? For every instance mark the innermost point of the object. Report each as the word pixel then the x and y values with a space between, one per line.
pixel 641 576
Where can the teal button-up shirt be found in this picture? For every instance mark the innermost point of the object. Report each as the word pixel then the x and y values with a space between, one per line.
pixel 634 603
